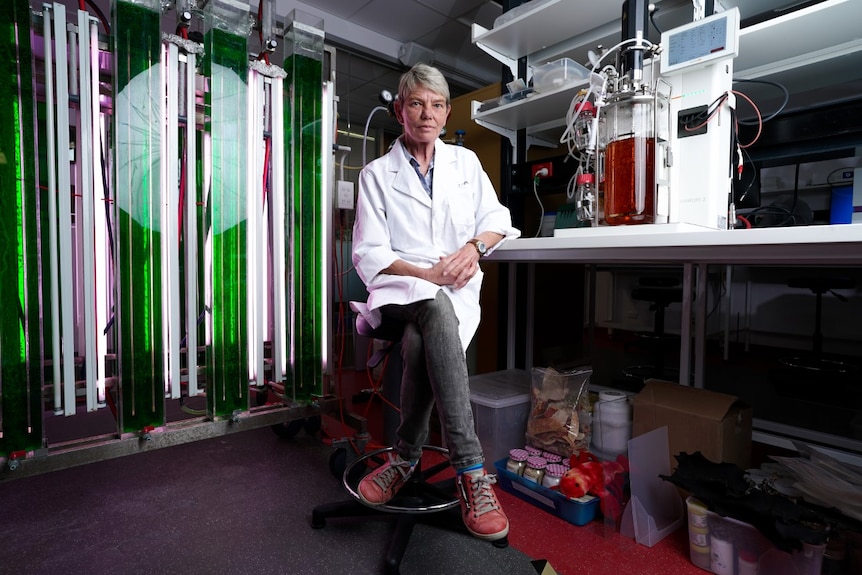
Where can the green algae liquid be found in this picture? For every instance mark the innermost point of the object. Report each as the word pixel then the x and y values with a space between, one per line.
pixel 20 328
pixel 225 64
pixel 303 133
pixel 138 196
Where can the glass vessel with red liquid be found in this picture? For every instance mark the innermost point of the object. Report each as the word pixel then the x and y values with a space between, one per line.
pixel 627 147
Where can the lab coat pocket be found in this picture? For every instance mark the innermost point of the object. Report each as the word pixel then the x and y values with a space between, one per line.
pixel 462 210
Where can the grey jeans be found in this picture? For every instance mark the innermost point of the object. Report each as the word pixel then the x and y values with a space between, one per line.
pixel 435 369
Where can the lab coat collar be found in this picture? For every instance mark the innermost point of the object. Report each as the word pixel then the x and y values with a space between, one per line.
pixel 406 181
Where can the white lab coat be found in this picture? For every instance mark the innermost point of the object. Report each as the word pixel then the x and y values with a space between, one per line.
pixel 396 219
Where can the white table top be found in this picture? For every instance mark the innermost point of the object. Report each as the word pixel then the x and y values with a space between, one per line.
pixel 826 245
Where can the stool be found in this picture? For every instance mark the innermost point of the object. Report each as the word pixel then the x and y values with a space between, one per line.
pixel 816 362
pixel 390 332
pixel 429 496
pixel 661 292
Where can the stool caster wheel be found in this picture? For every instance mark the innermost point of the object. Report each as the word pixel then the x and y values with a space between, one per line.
pixel 312 424
pixel 338 463
pixel 317 520
pixel 501 543
pixel 287 430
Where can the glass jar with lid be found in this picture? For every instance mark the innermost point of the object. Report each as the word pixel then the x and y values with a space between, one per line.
pixel 517 461
pixel 553 474
pixel 535 470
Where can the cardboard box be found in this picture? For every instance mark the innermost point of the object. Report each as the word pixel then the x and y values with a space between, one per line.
pixel 716 424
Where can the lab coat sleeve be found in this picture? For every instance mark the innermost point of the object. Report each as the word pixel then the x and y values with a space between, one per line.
pixel 491 215
pixel 372 250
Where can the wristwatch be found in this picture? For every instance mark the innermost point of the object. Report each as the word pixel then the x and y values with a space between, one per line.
pixel 480 246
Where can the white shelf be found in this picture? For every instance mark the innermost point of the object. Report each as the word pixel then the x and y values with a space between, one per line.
pixel 549 24
pixel 540 112
pixel 806 37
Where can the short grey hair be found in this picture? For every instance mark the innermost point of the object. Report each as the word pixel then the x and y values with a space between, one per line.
pixel 426 76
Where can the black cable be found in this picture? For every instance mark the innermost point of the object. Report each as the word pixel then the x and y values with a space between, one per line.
pixel 746 160
pixel 775 113
pixel 835 171
pixel 100 15
pixel 698 120
pixel 652 19
pixel 107 198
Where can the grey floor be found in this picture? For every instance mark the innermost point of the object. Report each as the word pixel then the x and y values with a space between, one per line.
pixel 235 504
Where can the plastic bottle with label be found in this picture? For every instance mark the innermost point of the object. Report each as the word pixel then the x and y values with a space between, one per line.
pixel 586 199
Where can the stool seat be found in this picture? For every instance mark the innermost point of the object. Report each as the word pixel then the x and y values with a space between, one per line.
pixel 388 330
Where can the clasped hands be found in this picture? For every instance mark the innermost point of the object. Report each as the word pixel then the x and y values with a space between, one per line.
pixel 456 269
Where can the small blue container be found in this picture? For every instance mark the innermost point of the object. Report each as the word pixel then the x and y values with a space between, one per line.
pixel 575 512
pixel 841 205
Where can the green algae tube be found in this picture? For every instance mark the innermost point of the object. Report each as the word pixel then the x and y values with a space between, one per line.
pixel 225 66
pixel 138 197
pixel 303 61
pixel 20 323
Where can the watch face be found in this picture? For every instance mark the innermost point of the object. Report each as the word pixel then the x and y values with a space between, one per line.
pixel 480 245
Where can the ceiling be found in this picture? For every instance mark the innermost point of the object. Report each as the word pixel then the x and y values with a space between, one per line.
pixel 370 35
pixel 375 40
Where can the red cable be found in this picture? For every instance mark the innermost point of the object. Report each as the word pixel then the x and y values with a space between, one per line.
pixel 759 119
pixel 266 161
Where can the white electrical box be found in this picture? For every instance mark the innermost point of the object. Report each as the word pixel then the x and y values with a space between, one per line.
pixel 344 195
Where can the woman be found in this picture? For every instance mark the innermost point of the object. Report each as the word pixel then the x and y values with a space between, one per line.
pixel 425 215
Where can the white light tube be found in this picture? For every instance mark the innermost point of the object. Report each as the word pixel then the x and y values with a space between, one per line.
pixel 191 228
pixel 326 167
pixel 52 210
pixel 85 162
pixel 254 174
pixel 206 150
pixel 170 222
pixel 100 222
pixel 64 212
pixel 279 305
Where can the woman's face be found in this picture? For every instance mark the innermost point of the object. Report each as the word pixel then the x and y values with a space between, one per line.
pixel 423 115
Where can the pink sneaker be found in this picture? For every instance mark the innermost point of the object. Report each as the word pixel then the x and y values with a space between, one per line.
pixel 480 509
pixel 381 485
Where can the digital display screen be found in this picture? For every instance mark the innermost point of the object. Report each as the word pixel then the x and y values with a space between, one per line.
pixel 698 42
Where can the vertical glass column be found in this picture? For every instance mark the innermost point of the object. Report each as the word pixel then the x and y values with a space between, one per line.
pixel 138 121
pixel 225 66
pixel 20 329
pixel 303 61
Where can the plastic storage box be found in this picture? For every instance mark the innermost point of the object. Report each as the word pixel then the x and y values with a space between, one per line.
pixel 501 404
pixel 558 73
pixel 723 545
pixel 578 512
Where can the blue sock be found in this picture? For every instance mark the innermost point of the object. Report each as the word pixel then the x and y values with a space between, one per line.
pixel 471 468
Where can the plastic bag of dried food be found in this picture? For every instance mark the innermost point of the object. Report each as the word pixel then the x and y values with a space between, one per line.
pixel 559 420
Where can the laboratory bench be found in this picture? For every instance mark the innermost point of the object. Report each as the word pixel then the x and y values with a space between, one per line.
pixel 696 251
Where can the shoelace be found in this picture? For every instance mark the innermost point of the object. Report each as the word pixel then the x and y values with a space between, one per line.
pixel 482 499
pixel 390 475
